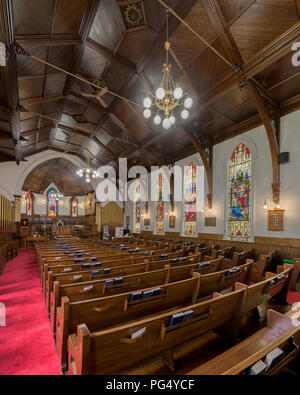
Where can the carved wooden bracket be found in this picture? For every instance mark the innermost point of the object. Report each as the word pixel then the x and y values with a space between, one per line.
pixel 270 116
pixel 204 148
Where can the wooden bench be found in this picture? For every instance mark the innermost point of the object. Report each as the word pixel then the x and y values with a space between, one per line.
pixel 106 312
pixel 280 332
pixel 116 349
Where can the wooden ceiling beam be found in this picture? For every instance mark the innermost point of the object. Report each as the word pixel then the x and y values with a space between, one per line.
pixel 4 135
pixel 47 40
pixel 110 55
pixel 39 100
pixel 9 74
pixel 35 131
pixel 38 76
pixel 297 3
pixel 271 134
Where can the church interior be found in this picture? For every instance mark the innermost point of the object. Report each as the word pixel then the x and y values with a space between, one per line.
pixel 121 254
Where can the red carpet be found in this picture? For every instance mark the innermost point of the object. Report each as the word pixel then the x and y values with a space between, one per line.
pixel 26 343
pixel 293 297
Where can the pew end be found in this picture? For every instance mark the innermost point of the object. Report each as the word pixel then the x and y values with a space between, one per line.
pixel 79 351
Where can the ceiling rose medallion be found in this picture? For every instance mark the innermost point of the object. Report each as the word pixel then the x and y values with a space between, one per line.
pixel 169 97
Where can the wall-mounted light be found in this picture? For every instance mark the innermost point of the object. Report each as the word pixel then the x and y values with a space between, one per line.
pixel 265 206
pixel 278 206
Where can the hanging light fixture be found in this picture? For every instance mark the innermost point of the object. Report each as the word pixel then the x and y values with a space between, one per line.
pixel 87 172
pixel 168 97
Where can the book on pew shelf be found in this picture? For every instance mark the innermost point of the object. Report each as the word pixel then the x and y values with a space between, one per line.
pixel 109 283
pixel 147 294
pixel 258 369
pixel 67 269
pixel 156 291
pixel 85 266
pixel 136 296
pixel 188 315
pixel 88 288
pixel 107 271
pixel 118 281
pixel 77 277
pixel 98 264
pixel 58 258
pixel 176 319
pixel 138 333
pixel 93 259
pixel 274 357
pixel 95 273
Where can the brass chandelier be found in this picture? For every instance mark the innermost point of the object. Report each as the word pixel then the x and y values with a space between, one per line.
pixel 168 97
pixel 87 172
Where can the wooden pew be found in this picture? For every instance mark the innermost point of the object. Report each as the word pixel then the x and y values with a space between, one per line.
pixel 116 349
pixel 295 274
pixel 275 286
pixel 106 312
pixel 281 332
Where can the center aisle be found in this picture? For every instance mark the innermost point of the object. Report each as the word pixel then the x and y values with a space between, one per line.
pixel 26 343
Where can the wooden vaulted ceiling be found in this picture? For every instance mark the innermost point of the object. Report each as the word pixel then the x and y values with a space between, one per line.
pixel 62 173
pixel 93 39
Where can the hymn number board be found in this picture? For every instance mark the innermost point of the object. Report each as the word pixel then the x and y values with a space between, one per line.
pixel 275 220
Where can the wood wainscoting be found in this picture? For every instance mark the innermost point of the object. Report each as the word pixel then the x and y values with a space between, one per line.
pixel 288 248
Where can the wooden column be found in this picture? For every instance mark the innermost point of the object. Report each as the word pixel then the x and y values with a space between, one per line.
pixel 98 216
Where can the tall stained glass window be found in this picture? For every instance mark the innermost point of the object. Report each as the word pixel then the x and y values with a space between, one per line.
pixel 190 200
pixel 160 220
pixel 137 209
pixel 29 205
pixel 52 204
pixel 239 187
pixel 74 208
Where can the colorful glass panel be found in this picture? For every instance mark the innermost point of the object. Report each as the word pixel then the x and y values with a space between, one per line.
pixel 52 204
pixel 239 187
pixel 190 200
pixel 29 208
pixel 74 208
pixel 160 220
pixel 137 209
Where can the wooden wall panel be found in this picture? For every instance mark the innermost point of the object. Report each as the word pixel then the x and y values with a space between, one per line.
pixel 112 214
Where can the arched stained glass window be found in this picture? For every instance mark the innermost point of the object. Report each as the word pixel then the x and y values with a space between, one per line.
pixel 239 187
pixel 190 200
pixel 52 204
pixel 74 208
pixel 29 205
pixel 160 220
pixel 137 209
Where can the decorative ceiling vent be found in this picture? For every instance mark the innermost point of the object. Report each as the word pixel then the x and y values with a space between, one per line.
pixel 81 118
pixel 133 14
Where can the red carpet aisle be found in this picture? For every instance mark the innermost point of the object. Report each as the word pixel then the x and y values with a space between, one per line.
pixel 26 344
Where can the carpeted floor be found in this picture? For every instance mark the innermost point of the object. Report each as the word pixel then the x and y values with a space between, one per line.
pixel 26 343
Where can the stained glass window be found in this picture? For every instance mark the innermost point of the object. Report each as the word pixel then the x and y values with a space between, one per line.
pixel 239 187
pixel 190 200
pixel 52 204
pixel 29 205
pixel 160 220
pixel 74 208
pixel 137 209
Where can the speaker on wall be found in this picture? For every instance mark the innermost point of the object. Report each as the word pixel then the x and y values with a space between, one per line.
pixel 283 157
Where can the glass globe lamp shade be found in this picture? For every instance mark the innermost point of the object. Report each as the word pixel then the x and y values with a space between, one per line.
pixel 172 119
pixel 147 113
pixel 166 123
pixel 147 102
pixel 157 120
pixel 185 114
pixel 188 103
pixel 160 93
pixel 178 93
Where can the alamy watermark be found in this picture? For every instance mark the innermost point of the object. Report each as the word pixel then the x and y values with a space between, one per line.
pixel 2 314
pixel 296 56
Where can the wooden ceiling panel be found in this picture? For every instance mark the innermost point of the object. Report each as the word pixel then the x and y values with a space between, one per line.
pixel 68 16
pixel 287 90
pixel 262 23
pixel 92 64
pixel 136 44
pixel 61 56
pixel 231 9
pixel 108 28
pixel 32 16
pixel 55 84
pixel 235 98
pixel 29 124
pixel 186 46
pixel 114 77
pixel 156 14
pixel 50 107
pixel 218 124
pixel 29 66
pixel 208 69
pixel 242 112
pixel 28 90
pixel 27 115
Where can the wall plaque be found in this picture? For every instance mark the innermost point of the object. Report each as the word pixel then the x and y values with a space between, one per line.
pixel 210 221
pixel 275 220
pixel 172 221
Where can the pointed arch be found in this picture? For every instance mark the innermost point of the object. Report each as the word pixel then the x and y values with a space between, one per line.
pixel 239 210
pixel 73 207
pixel 52 204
